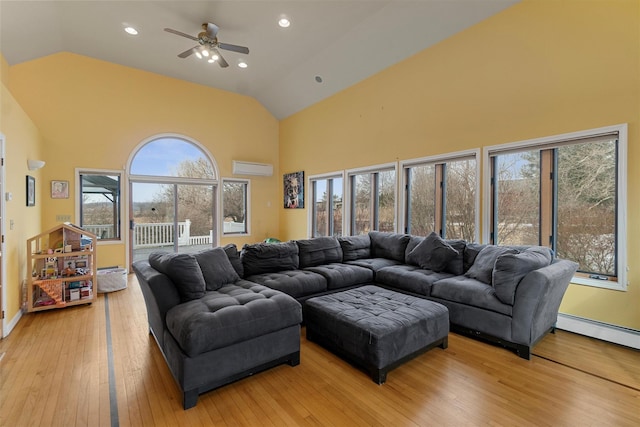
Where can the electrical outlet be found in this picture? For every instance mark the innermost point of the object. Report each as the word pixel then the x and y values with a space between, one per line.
pixel 63 218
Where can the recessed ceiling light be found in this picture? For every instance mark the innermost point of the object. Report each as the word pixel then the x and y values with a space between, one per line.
pixel 284 22
pixel 131 30
pixel 242 64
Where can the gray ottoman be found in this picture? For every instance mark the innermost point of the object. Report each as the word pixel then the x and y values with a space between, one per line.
pixel 376 328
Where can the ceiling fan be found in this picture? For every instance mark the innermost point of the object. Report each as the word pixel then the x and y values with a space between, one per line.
pixel 208 45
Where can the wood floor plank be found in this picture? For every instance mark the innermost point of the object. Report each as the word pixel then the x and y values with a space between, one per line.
pixel 55 372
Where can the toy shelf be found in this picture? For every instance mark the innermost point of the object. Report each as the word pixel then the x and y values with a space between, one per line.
pixel 63 268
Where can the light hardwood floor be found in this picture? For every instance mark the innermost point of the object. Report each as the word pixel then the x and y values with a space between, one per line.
pixel 55 371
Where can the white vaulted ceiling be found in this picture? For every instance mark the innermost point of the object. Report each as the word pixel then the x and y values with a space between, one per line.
pixel 341 41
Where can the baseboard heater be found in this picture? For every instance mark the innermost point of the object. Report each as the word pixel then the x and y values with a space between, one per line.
pixel 599 330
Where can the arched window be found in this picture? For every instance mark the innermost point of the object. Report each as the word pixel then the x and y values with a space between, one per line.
pixel 174 183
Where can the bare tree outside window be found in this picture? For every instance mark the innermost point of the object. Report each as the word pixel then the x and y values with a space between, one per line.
pixel 422 199
pixel 587 206
pixel 234 205
pixel 518 210
pixel 460 197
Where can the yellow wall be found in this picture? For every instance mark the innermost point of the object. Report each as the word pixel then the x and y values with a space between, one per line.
pixel 92 114
pixel 22 141
pixel 539 68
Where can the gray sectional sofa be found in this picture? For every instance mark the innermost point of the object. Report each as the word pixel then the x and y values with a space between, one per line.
pixel 508 295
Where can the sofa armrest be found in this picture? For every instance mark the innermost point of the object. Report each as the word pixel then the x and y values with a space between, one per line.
pixel 160 295
pixel 537 300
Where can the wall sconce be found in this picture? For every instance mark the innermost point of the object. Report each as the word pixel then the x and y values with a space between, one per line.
pixel 34 164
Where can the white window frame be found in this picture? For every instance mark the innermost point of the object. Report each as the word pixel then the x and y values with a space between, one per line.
pixel 310 186
pixel 247 217
pixel 536 143
pixel 346 203
pixel 430 160
pixel 78 201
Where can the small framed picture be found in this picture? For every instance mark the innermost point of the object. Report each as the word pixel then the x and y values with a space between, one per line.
pixel 59 189
pixel 294 190
pixel 31 191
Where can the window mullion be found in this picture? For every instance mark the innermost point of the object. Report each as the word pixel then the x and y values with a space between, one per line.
pixel 546 196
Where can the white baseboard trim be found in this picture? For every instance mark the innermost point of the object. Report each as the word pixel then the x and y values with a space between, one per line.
pixel 8 327
pixel 599 330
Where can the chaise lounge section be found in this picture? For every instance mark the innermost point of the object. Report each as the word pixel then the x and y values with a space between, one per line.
pixel 212 327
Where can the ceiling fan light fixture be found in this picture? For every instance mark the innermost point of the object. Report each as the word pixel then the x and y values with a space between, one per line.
pixel 242 64
pixel 198 54
pixel 214 57
pixel 211 60
pixel 130 30
pixel 205 52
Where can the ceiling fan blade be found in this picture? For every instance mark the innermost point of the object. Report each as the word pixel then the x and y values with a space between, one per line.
pixel 187 52
pixel 180 33
pixel 221 61
pixel 211 29
pixel 233 48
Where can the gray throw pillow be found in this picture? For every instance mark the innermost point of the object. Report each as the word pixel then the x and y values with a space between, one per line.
pixel 482 268
pixel 216 268
pixel 511 268
pixel 433 253
pixel 388 245
pixel 183 270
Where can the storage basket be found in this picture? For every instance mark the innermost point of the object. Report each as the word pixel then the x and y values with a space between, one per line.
pixel 112 279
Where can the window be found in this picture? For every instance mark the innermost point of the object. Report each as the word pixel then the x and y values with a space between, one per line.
pixel 235 197
pixel 173 197
pixel 565 192
pixel 440 195
pixel 373 200
pixel 99 205
pixel 326 216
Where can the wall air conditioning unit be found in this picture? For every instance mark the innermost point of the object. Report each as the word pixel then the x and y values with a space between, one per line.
pixel 249 168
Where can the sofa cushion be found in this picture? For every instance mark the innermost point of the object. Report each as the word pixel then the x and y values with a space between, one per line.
pixel 318 251
pixel 262 258
pixel 433 253
pixel 340 275
pixel 511 268
pixel 216 268
pixel 355 247
pixel 409 278
pixel 388 245
pixel 482 268
pixel 234 256
pixel 374 264
pixel 455 266
pixel 468 291
pixel 297 283
pixel 183 270
pixel 232 314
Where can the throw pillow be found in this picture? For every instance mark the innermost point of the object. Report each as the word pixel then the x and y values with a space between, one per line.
pixel 216 268
pixel 183 270
pixel 433 253
pixel 482 268
pixel 388 245
pixel 511 268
